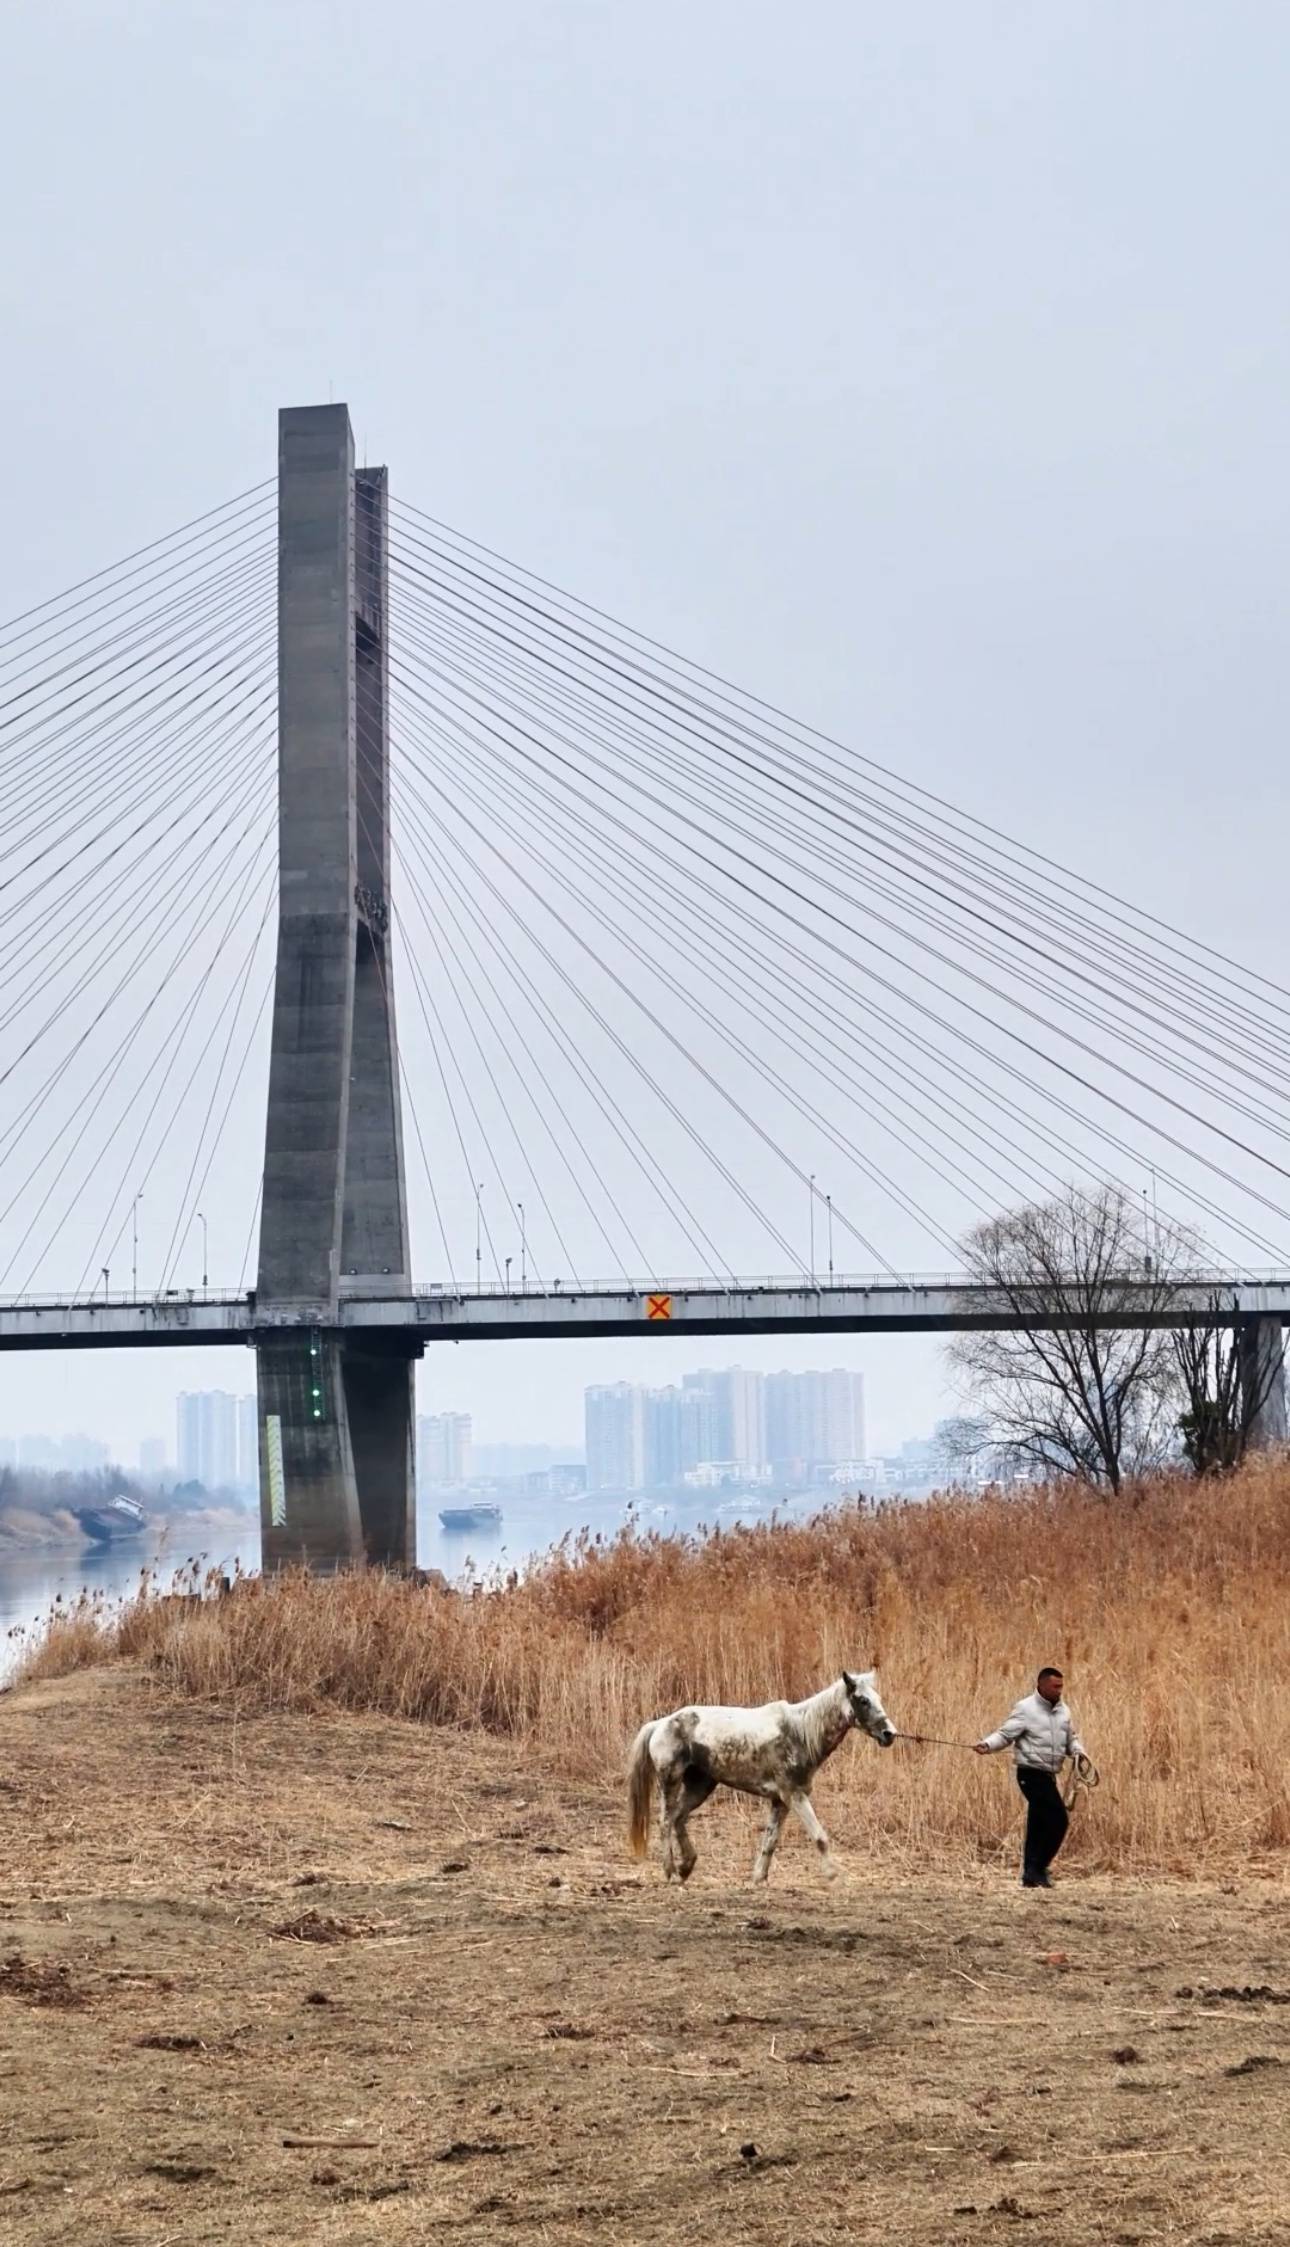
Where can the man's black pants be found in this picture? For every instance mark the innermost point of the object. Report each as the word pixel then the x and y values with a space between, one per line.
pixel 1046 1821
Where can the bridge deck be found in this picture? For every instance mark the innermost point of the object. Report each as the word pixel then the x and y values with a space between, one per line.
pixel 941 1306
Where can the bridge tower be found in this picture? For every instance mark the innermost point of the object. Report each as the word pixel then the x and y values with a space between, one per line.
pixel 335 1409
pixel 1261 1348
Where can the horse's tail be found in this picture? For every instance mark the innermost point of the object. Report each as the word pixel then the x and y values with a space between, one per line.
pixel 640 1787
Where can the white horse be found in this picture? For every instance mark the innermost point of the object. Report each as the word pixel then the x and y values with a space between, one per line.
pixel 773 1751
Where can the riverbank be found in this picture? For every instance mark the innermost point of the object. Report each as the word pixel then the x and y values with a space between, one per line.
pixel 1168 1610
pixel 43 1578
pixel 25 1532
pixel 351 1979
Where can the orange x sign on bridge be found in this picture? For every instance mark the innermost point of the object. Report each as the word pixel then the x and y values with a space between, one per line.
pixel 658 1307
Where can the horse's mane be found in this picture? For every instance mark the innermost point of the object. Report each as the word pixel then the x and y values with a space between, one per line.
pixel 820 1717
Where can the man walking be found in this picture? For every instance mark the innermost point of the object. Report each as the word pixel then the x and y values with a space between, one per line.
pixel 1041 1735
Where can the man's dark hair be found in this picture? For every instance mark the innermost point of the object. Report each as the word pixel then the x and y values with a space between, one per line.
pixel 1050 1669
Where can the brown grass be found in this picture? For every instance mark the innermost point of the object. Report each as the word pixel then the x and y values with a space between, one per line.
pixel 1169 1611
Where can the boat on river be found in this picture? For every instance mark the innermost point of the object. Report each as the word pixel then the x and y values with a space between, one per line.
pixel 113 1522
pixel 471 1517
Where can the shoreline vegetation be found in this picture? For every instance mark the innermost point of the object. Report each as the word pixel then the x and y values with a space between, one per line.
pixel 1168 1607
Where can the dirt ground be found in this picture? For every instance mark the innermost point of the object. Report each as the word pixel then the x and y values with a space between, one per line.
pixel 514 2035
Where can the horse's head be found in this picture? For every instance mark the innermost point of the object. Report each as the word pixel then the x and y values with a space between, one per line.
pixel 867 1711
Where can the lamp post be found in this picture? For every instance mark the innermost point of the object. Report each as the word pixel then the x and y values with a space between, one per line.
pixel 524 1254
pixel 811 1193
pixel 828 1203
pixel 205 1252
pixel 509 1261
pixel 479 1221
pixel 134 1243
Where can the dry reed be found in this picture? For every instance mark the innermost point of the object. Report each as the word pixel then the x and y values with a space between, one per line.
pixel 1169 1611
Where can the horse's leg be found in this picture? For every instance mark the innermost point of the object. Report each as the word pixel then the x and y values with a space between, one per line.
pixel 771 1832
pixel 804 1810
pixel 694 1794
pixel 671 1800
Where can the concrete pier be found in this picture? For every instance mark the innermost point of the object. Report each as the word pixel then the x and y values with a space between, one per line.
pixel 1263 1381
pixel 336 1415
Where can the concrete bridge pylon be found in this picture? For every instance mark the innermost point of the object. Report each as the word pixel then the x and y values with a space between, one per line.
pixel 336 1410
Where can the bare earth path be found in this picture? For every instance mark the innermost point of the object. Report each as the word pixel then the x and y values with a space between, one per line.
pixel 513 2035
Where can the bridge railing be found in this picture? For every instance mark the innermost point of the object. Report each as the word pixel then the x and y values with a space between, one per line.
pixel 118 1299
pixel 624 1285
pixel 820 1283
pixel 706 1283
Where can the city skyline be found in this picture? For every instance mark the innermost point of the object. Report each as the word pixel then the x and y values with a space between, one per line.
pixel 719 1427
pixel 525 1394
pixel 728 1422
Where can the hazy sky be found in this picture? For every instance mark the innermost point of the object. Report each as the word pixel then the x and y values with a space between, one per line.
pixel 923 368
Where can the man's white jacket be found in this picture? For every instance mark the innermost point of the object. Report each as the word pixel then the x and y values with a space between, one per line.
pixel 1041 1735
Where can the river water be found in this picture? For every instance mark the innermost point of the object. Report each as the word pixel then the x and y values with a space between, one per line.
pixel 30 1583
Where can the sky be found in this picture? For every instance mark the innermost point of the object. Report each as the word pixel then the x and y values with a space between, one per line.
pixel 923 369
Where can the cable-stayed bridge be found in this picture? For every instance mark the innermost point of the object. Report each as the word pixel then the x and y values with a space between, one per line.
pixel 682 985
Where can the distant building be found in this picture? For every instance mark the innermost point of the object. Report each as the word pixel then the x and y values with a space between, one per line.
pixel 443 1450
pixel 748 1425
pixel 738 1432
pixel 813 1420
pixel 76 1454
pixel 500 1461
pixel 662 1439
pixel 36 1451
pixel 207 1449
pixel 565 1481
pixel 701 1430
pixel 615 1424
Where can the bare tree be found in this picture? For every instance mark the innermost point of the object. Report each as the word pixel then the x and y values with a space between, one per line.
pixel 1076 1381
pixel 1222 1387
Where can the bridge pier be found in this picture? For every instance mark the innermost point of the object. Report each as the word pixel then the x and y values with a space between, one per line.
pixel 1261 1344
pixel 336 1415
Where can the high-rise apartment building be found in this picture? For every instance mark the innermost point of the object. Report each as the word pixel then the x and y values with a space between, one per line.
pixel 682 1431
pixel 207 1448
pixel 443 1450
pixel 663 1442
pixel 814 1420
pixel 615 1431
pixel 729 1418
pixel 739 1406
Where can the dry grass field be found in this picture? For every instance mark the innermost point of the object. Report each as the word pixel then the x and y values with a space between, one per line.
pixel 1169 1611
pixel 316 1923
pixel 342 1978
